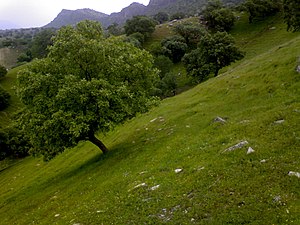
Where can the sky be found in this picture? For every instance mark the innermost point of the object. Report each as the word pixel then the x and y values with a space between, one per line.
pixel 37 13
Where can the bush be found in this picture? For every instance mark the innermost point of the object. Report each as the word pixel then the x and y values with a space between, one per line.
pixel 4 98
pixel 13 143
pixel 174 47
pixel 3 71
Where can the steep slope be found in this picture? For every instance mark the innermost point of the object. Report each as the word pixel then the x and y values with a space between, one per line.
pixel 170 166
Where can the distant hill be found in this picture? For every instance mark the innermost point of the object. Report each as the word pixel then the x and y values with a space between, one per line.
pixel 4 24
pixel 189 7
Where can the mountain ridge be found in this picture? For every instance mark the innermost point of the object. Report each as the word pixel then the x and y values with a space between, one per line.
pixel 188 7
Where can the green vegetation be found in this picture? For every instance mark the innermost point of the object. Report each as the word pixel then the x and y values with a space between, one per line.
pixel 85 85
pixel 169 166
pixel 291 9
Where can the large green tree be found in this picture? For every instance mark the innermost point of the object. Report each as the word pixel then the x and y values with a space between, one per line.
pixel 174 47
pixel 87 84
pixel 291 9
pixel 214 52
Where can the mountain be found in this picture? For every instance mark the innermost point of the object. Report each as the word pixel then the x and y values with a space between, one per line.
pixel 72 17
pixel 189 7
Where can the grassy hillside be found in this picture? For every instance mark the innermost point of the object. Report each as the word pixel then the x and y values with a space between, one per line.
pixel 169 166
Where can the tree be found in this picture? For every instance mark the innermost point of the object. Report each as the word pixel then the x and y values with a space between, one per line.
pixel 261 8
pixel 86 84
pixel 140 24
pixel 214 52
pixel 291 10
pixel 161 17
pixel 40 43
pixel 3 71
pixel 174 47
pixel 190 32
pixel 217 17
pixel 4 98
pixel 177 16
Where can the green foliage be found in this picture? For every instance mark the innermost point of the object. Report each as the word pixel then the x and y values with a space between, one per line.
pixel 258 9
pixel 177 16
pixel 190 32
pixel 13 143
pixel 40 43
pixel 85 85
pixel 161 17
pixel 214 52
pixel 174 47
pixel 218 17
pixel 4 98
pixel 115 29
pixel 164 64
pixel 140 24
pixel 3 71
pixel 291 9
pixel 25 57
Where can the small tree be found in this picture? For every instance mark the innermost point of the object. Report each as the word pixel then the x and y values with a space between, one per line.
pixel 3 71
pixel 214 52
pixel 190 32
pixel 161 17
pixel 4 98
pixel 291 9
pixel 261 8
pixel 174 47
pixel 218 17
pixel 85 85
pixel 140 24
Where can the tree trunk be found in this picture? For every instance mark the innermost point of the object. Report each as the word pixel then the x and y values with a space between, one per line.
pixel 98 143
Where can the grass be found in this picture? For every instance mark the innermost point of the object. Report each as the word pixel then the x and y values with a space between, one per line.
pixel 81 186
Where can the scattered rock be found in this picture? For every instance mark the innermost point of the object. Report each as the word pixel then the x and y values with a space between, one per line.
pixel 291 173
pixel 237 146
pixel 57 215
pixel 151 121
pixel 279 121
pixel 178 170
pixel 154 187
pixel 219 120
pixel 272 28
pixel 298 69
pixel 250 150
pixel 188 126
pixel 138 186
pixel 263 160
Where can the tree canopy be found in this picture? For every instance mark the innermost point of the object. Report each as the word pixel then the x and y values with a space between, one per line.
pixel 140 24
pixel 87 84
pixel 218 17
pixel 174 47
pixel 3 71
pixel 291 9
pixel 214 52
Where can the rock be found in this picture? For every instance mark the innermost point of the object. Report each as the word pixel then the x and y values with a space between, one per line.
pixel 219 120
pixel 279 121
pixel 250 150
pixel 296 174
pixel 151 121
pixel 272 28
pixel 237 146
pixel 154 187
pixel 138 186
pixel 263 160
pixel 298 69
pixel 57 215
pixel 178 170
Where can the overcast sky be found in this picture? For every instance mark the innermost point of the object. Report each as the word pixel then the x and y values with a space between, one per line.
pixel 37 13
